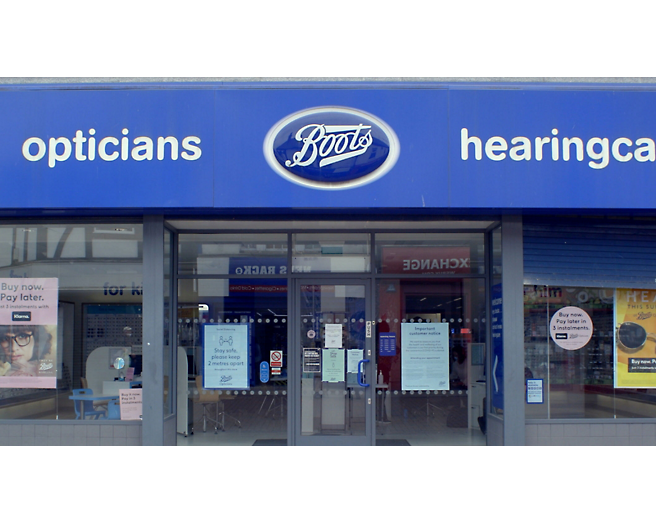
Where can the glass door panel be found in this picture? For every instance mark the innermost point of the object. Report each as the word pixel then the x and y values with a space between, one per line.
pixel 335 401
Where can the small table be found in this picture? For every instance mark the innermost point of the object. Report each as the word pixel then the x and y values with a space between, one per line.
pixel 86 397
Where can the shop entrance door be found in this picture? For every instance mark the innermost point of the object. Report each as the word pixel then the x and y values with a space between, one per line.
pixel 336 376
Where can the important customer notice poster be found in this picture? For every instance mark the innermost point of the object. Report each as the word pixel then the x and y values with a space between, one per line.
pixel 424 356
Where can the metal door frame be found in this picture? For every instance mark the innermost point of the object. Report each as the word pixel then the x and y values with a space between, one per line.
pixel 295 357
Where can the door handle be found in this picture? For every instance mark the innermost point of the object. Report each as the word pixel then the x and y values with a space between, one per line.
pixel 364 385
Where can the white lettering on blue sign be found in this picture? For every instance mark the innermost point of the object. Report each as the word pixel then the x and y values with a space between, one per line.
pixel 110 148
pixel 324 139
pixel 598 150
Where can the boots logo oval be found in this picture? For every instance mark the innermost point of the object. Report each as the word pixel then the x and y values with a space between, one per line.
pixel 331 148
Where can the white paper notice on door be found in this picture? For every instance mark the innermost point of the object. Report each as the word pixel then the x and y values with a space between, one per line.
pixel 353 360
pixel 425 356
pixel 333 336
pixel 332 365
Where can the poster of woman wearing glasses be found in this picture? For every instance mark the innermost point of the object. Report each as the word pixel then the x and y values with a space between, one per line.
pixel 28 332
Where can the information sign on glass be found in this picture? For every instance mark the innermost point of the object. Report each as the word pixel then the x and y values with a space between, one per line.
pixel 387 344
pixel 333 336
pixel 354 357
pixel 311 360
pixel 332 367
pixel 225 356
pixel 425 356
pixel 534 391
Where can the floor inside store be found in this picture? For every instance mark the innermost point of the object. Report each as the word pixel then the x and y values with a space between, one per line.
pixel 232 437
pixel 263 421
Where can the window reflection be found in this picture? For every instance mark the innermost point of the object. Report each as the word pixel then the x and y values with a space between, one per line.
pixel 426 254
pixel 330 253
pixel 578 383
pixel 97 274
pixel 239 254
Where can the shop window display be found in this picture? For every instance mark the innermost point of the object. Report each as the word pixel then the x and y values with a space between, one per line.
pixel 70 309
pixel 589 352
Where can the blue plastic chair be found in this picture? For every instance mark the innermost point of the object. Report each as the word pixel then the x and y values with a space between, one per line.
pixel 114 409
pixel 89 410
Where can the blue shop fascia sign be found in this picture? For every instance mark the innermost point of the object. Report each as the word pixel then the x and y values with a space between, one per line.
pixel 445 146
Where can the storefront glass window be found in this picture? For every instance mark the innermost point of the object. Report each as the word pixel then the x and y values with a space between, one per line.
pixel 331 253
pixel 438 254
pixel 238 254
pixel 589 352
pixel 431 338
pixel 71 319
pixel 231 329
pixel 233 337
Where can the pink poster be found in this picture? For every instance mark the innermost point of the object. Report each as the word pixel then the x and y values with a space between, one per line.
pixel 28 332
